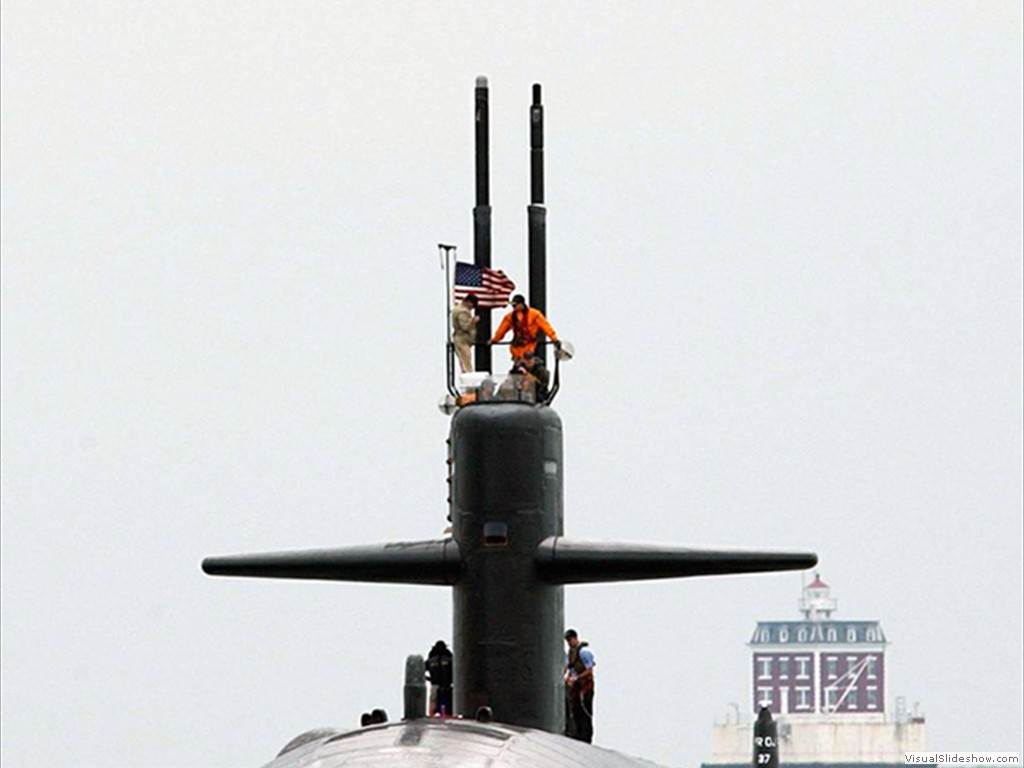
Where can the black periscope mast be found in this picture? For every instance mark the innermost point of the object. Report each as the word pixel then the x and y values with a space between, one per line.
pixel 508 558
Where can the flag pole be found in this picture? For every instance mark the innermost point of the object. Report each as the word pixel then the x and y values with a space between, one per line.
pixel 445 252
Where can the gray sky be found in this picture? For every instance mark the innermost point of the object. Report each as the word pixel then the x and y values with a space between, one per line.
pixel 784 237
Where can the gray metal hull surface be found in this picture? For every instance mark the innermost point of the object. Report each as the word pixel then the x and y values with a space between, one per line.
pixel 451 743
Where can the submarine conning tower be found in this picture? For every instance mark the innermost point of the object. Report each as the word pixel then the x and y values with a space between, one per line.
pixel 507 559
pixel 506 499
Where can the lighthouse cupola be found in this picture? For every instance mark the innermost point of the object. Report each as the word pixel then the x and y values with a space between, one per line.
pixel 816 603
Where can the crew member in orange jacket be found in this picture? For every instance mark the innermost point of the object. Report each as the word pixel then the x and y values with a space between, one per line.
pixel 525 323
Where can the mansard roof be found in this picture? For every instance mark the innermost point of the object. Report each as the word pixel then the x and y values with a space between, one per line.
pixel 818 633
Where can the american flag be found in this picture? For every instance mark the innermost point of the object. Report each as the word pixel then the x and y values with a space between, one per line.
pixel 491 286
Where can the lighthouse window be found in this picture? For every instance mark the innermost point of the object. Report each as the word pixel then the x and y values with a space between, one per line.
pixel 831 696
pixel 801 668
pixel 803 698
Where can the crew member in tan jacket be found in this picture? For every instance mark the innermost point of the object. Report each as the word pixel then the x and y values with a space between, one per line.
pixel 464 324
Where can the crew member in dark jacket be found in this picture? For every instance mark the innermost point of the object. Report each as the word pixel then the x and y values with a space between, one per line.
pixel 439 672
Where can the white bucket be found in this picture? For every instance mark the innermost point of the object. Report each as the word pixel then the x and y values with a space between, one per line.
pixel 473 380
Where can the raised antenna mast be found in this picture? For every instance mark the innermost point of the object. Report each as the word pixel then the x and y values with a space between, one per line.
pixel 482 213
pixel 536 213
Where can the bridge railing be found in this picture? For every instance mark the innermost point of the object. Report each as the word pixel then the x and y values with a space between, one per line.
pixel 518 385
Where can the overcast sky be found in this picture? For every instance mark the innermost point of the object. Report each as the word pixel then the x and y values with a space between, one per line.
pixel 784 237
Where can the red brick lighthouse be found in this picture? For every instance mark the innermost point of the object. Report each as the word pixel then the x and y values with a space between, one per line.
pixel 819 665
pixel 823 678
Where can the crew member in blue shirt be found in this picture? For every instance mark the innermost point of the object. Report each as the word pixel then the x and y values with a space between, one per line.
pixel 579 688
